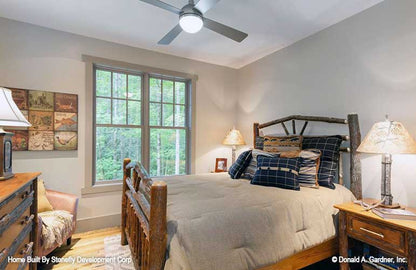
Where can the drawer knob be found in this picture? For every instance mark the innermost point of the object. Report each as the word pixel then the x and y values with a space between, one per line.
pixel 25 194
pixel 27 249
pixel 4 253
pixel 373 233
pixel 27 219
pixel 4 220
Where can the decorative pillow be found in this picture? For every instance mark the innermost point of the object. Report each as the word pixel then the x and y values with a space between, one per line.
pixel 277 172
pixel 237 169
pixel 329 147
pixel 252 166
pixel 43 202
pixel 282 144
pixel 308 167
pixel 259 142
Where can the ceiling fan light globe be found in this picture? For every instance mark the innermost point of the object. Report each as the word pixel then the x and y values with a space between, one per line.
pixel 191 23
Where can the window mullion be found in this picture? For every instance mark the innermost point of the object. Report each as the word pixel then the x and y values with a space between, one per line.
pixel 174 100
pixel 127 102
pixel 187 126
pixel 111 104
pixel 161 102
pixel 145 121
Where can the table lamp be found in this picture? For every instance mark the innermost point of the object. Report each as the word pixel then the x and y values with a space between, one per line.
pixel 10 116
pixel 387 138
pixel 234 138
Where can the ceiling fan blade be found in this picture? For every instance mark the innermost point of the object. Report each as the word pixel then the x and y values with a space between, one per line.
pixel 205 5
pixel 224 30
pixel 169 37
pixel 163 5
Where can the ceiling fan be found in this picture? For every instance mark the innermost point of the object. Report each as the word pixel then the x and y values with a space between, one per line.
pixel 191 20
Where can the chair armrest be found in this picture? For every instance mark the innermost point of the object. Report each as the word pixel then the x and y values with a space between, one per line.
pixel 63 201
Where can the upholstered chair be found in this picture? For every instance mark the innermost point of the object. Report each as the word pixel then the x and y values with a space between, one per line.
pixel 59 201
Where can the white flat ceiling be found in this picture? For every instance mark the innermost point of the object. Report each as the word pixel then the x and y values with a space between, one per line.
pixel 271 24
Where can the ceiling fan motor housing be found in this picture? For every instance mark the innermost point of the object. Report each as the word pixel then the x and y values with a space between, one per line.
pixel 189 9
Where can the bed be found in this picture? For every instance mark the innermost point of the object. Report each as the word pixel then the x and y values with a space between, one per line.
pixel 210 221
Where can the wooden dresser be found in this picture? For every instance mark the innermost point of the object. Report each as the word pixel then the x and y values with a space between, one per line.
pixel 18 220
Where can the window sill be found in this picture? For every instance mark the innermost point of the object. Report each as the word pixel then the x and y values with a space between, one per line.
pixel 103 188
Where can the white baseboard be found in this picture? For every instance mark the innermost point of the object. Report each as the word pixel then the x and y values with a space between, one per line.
pixel 96 223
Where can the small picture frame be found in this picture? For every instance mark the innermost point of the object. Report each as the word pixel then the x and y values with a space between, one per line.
pixel 221 165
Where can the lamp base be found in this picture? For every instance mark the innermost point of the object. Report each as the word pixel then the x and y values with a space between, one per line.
pixel 6 177
pixel 393 206
pixel 6 171
pixel 233 154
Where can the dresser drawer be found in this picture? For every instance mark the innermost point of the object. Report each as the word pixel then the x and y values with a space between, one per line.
pixel 19 248
pixel 391 239
pixel 23 251
pixel 13 201
pixel 8 236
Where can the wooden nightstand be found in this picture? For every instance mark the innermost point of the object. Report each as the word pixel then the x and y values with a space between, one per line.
pixel 397 237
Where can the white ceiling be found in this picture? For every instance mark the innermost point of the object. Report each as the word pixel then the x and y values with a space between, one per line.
pixel 271 24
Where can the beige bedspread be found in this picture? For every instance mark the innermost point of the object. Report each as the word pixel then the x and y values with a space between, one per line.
pixel 215 222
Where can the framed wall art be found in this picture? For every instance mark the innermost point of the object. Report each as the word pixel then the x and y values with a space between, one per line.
pixel 54 119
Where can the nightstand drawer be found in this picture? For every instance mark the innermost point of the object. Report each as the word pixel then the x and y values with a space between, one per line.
pixel 370 232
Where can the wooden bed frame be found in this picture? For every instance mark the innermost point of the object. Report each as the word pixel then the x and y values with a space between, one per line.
pixel 144 203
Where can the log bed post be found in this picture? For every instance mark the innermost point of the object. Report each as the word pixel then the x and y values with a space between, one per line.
pixel 143 222
pixel 126 174
pixel 157 224
pixel 355 162
pixel 256 133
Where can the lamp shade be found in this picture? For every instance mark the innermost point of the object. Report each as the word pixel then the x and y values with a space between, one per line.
pixel 10 115
pixel 388 137
pixel 234 137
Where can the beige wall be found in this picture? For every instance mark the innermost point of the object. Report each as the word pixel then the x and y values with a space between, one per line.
pixel 365 64
pixel 38 58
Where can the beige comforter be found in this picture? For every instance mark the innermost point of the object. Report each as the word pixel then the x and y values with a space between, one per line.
pixel 215 222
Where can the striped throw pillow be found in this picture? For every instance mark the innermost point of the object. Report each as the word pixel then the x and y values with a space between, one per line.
pixel 277 172
pixel 282 144
pixel 308 167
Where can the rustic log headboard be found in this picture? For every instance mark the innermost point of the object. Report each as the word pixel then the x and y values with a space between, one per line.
pixel 354 139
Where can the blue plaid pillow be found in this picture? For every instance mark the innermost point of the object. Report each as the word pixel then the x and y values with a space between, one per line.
pixel 277 172
pixel 240 165
pixel 329 147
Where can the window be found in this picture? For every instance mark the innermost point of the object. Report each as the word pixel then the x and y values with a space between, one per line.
pixel 167 115
pixel 123 128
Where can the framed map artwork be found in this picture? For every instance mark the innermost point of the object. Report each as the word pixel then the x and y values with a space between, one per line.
pixel 54 119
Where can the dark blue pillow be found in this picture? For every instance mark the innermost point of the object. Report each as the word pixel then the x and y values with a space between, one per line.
pixel 328 168
pixel 277 172
pixel 240 165
pixel 251 169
